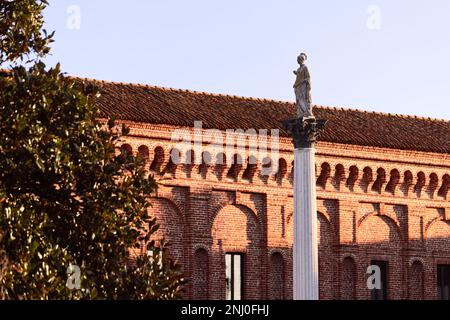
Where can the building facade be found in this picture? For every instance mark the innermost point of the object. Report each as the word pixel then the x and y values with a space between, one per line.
pixel 382 194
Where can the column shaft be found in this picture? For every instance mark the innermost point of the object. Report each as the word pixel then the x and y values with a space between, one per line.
pixel 305 250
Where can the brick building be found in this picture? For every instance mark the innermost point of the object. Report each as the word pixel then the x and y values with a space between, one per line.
pixel 382 185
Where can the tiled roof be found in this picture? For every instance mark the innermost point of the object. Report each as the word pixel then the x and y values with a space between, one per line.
pixel 157 105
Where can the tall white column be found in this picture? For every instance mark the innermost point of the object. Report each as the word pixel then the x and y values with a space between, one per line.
pixel 304 132
pixel 306 265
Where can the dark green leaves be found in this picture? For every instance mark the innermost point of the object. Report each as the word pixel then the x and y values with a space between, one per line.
pixel 65 196
pixel 21 33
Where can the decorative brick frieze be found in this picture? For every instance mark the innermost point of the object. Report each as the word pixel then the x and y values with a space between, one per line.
pixel 373 203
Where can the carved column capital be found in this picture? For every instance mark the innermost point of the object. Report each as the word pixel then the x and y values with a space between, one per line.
pixel 304 131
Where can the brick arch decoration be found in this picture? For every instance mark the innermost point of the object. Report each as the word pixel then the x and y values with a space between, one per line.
pixel 437 235
pixel 281 251
pixel 348 255
pixel 143 152
pixel 200 273
pixel 236 166
pixel 236 229
pixel 445 186
pixel 321 215
pixel 385 179
pixel 380 180
pixel 407 182
pixel 379 238
pixel 421 181
pixel 367 177
pixel 173 162
pixel 325 174
pixel 375 221
pixel 388 217
pixel 159 156
pixel 251 215
pixel 324 220
pixel 430 223
pixel 281 173
pixel 126 147
pixel 352 177
pixel 364 176
pixel 170 219
pixel 176 202
pixel 393 180
pixel 416 284
pixel 324 215
pixel 339 176
pixel 348 277
pixel 222 203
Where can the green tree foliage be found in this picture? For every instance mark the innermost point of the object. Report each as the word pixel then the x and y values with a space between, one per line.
pixel 66 196
pixel 21 32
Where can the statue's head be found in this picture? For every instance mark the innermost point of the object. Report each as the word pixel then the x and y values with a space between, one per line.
pixel 301 59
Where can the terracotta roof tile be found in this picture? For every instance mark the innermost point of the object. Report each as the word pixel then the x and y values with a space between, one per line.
pixel 182 107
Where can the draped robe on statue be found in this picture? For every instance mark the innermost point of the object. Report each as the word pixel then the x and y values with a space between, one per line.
pixel 302 88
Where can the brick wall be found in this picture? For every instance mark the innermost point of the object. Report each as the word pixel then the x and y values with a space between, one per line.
pixel 373 204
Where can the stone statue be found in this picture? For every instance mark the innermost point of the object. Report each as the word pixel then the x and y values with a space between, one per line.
pixel 302 88
pixel 305 128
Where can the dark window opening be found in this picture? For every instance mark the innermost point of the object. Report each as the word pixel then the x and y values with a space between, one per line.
pixel 443 279
pixel 381 293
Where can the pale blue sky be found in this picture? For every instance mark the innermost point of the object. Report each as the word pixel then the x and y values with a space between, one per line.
pixel 249 48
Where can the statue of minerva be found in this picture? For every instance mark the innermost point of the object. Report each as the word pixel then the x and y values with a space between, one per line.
pixel 302 88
